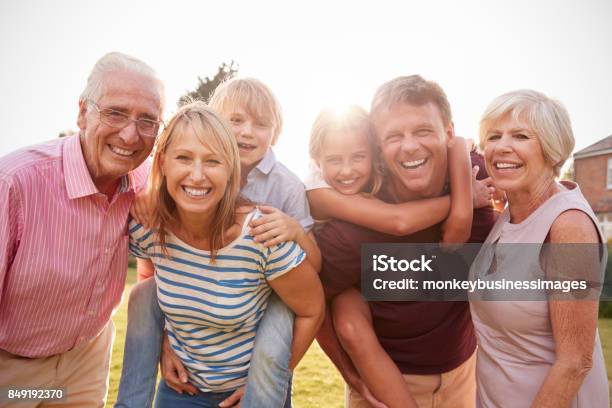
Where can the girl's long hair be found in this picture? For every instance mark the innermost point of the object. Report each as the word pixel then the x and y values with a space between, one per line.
pixel 352 118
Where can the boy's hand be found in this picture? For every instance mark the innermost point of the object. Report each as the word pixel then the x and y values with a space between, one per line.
pixel 275 227
pixel 234 399
pixel 482 190
pixel 143 207
pixel 173 371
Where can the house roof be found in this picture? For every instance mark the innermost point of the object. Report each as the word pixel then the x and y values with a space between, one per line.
pixel 603 146
pixel 602 206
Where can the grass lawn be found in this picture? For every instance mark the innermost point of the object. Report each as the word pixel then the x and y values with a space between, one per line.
pixel 317 383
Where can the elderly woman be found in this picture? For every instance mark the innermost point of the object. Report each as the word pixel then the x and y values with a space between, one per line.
pixel 535 353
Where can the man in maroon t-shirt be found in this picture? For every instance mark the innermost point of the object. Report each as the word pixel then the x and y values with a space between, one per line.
pixel 433 343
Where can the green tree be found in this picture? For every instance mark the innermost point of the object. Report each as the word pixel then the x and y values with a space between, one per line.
pixel 207 86
pixel 67 132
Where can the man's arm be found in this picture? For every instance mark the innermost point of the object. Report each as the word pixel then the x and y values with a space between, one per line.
pixel 10 213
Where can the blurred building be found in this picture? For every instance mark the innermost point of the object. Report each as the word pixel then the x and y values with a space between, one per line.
pixel 593 173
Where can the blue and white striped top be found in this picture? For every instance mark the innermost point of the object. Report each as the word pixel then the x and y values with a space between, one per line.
pixel 212 310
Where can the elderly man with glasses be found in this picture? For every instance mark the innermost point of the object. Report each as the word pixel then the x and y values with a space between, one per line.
pixel 63 239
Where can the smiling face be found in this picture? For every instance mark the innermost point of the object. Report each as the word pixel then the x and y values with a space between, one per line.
pixel 196 175
pixel 514 156
pixel 111 153
pixel 346 160
pixel 413 142
pixel 254 136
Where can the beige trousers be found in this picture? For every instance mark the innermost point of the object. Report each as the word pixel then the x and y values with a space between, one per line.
pixel 453 389
pixel 82 373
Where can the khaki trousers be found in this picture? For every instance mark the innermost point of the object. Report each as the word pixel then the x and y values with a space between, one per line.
pixel 453 389
pixel 82 373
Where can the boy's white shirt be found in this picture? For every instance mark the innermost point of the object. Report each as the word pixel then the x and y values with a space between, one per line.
pixel 313 181
pixel 272 183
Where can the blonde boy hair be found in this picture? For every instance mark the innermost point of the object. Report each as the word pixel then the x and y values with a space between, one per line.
pixel 253 96
pixel 353 118
pixel 213 132
pixel 412 90
pixel 547 117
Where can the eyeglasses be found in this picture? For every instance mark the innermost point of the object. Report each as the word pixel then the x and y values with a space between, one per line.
pixel 148 128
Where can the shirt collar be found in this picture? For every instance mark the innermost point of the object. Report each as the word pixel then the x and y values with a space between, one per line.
pixel 267 163
pixel 76 174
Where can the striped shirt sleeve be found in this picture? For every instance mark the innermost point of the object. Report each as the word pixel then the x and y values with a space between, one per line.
pixel 9 234
pixel 282 258
pixel 141 240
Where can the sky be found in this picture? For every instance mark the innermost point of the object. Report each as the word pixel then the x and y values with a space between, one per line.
pixel 311 54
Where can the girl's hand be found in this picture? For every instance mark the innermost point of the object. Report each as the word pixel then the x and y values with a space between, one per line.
pixel 143 207
pixel 482 190
pixel 275 227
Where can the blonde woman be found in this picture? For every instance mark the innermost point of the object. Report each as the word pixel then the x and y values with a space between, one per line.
pixel 213 279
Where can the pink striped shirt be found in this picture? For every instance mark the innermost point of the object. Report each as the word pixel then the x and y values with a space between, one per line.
pixel 63 248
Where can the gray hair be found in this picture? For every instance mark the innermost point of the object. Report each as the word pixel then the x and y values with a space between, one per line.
pixel 547 117
pixel 116 61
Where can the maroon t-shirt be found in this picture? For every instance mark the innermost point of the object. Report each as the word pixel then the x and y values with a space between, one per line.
pixel 420 337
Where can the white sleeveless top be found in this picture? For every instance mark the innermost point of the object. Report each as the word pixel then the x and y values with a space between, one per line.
pixel 516 347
